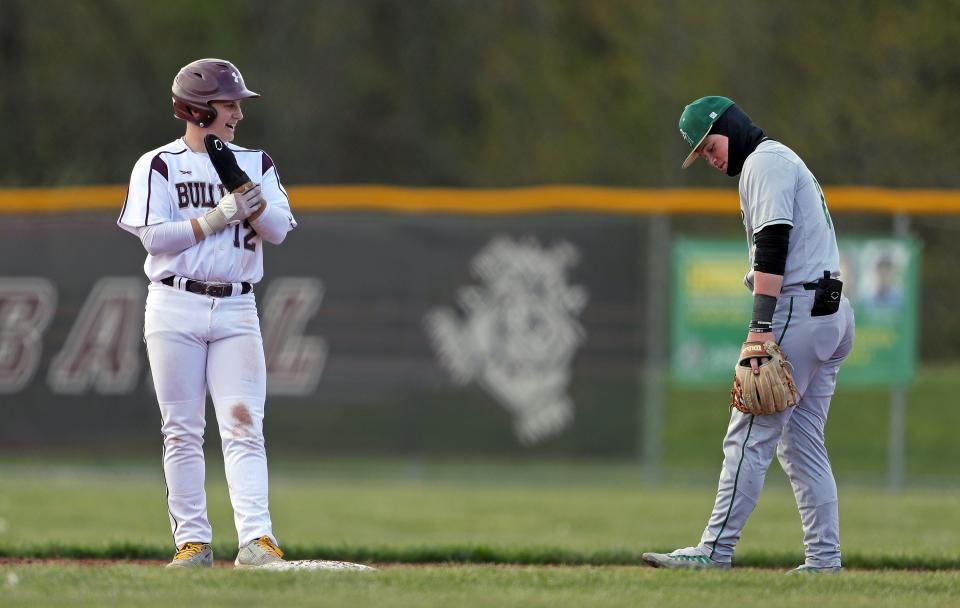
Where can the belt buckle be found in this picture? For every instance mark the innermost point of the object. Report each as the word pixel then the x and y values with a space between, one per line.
pixel 216 290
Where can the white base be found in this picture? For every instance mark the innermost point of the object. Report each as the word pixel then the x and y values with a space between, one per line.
pixel 316 564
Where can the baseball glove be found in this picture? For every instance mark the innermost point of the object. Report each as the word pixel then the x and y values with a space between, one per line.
pixel 768 392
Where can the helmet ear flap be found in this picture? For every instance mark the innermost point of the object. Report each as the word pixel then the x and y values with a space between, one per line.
pixel 200 115
pixel 203 118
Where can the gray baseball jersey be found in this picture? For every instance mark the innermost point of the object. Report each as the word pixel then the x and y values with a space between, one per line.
pixel 777 188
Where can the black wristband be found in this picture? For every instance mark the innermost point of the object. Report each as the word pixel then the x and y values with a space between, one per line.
pixel 763 309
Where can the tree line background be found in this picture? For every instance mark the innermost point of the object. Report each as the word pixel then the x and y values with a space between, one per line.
pixel 486 93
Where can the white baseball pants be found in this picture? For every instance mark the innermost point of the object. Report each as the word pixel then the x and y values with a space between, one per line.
pixel 195 342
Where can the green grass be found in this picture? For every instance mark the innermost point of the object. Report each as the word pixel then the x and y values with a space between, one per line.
pixel 430 526
pixel 589 520
pixel 590 514
pixel 130 585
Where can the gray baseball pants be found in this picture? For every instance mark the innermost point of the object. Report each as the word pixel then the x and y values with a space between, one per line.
pixel 815 346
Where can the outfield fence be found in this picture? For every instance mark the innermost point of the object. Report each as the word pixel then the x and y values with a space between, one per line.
pixel 417 321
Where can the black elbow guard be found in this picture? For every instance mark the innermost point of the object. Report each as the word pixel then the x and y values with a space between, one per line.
pixel 771 243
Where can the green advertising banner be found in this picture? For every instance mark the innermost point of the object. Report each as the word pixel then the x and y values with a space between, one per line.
pixel 711 309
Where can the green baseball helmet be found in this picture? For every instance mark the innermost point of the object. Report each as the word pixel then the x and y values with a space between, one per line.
pixel 696 120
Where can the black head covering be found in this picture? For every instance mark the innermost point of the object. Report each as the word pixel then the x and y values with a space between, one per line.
pixel 743 136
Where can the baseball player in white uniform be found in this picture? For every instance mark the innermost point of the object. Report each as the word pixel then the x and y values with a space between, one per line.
pixel 798 302
pixel 204 255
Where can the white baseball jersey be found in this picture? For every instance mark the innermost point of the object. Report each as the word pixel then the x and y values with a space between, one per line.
pixel 777 188
pixel 174 183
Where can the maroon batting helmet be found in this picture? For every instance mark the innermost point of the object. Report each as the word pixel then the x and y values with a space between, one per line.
pixel 203 81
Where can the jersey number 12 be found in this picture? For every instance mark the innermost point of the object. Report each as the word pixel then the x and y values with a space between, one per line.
pixel 247 238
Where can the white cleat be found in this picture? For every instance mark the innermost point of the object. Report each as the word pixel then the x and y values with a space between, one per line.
pixel 192 555
pixel 690 558
pixel 258 553
pixel 805 569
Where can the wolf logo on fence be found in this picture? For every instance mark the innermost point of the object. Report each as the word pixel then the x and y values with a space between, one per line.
pixel 519 333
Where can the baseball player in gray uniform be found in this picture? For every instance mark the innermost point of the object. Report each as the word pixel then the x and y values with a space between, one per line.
pixel 795 279
pixel 204 255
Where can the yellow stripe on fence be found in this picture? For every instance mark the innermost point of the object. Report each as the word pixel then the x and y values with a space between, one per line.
pixel 505 200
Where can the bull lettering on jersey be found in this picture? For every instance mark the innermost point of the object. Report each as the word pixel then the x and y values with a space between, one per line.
pixel 183 199
pixel 199 194
pixel 26 308
pixel 102 352
pixel 295 361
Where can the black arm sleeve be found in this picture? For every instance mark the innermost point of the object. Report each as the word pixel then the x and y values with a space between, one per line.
pixel 771 243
